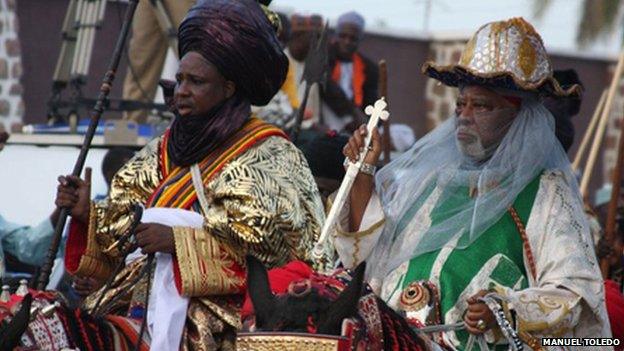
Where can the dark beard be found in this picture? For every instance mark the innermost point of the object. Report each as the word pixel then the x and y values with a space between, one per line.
pixel 191 138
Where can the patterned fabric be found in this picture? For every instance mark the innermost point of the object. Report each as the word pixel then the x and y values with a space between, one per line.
pixel 45 332
pixel 263 202
pixel 53 326
pixel 120 297
pixel 207 330
pixel 272 204
pixel 130 330
pixel 176 190
pixel 210 267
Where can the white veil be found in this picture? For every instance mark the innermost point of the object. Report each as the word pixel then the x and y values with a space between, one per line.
pixel 435 165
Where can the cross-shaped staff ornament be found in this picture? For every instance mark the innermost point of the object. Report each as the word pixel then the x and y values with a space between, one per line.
pixel 376 112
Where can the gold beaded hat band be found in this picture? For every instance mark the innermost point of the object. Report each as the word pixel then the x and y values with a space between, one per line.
pixel 268 341
pixel 506 54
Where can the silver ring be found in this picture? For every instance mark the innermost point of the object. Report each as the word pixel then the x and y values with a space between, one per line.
pixel 370 148
pixel 481 325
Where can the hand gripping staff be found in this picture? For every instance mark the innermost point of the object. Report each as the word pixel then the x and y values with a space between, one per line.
pixel 377 112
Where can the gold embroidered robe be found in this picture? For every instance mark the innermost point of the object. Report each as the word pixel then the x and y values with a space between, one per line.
pixel 263 201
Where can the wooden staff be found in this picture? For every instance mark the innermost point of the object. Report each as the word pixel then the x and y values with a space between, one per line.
pixel 590 131
pixel 604 119
pixel 105 89
pixel 617 172
pixel 593 154
pixel 383 94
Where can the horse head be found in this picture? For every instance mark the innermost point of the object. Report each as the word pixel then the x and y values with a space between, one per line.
pixel 304 308
pixel 11 332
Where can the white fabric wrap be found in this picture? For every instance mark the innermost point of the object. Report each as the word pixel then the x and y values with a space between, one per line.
pixel 344 245
pixel 566 267
pixel 167 309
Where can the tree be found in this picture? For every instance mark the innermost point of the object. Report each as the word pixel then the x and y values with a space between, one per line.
pixel 598 17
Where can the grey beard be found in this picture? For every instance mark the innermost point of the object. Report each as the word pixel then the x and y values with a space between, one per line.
pixel 475 150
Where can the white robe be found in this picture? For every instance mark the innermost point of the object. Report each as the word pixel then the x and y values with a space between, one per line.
pixel 568 280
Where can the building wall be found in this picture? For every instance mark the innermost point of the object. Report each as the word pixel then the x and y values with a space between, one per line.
pixel 11 104
pixel 406 84
pixel 441 98
pixel 595 75
pixel 611 139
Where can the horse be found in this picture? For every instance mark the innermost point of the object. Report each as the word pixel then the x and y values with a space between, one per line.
pixel 308 308
pixel 338 306
pixel 41 320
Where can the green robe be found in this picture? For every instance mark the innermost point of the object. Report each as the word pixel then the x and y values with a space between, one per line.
pixel 496 256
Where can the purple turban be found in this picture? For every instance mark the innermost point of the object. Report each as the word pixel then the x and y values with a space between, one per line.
pixel 236 37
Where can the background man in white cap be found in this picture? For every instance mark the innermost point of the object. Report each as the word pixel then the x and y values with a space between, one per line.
pixel 353 77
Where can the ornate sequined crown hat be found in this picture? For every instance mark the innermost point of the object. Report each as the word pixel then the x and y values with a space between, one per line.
pixel 505 54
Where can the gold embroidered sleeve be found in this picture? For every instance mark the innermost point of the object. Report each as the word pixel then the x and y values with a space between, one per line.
pixel 205 266
pixel 543 311
pixel 111 217
pixel 265 202
pixel 566 296
pixel 133 184
pixel 93 262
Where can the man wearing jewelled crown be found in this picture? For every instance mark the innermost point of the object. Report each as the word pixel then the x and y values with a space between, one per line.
pixel 481 221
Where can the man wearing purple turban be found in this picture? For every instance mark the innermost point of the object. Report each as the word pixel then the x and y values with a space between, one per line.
pixel 219 184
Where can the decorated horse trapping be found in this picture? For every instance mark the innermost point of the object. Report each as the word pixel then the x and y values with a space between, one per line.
pixel 43 321
pixel 287 308
pixel 337 312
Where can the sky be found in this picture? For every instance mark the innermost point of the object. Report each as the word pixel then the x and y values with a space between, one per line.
pixel 456 18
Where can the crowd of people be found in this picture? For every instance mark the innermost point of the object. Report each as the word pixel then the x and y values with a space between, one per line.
pixel 478 227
